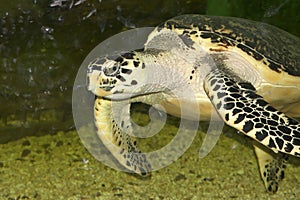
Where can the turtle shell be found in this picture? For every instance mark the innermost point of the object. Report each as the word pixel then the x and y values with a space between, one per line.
pixel 270 52
pixel 259 40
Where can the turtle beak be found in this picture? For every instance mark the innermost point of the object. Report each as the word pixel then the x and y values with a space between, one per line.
pixel 93 82
pixel 99 91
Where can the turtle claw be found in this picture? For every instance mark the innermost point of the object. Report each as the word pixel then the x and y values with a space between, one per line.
pixel 116 137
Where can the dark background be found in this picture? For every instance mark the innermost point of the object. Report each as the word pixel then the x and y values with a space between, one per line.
pixel 42 44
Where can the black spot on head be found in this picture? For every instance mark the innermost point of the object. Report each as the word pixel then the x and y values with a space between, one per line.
pixel 143 66
pixel 133 82
pixel 128 55
pixel 126 71
pixel 124 63
pixel 119 59
pixel 100 61
pixel 136 63
pixel 121 78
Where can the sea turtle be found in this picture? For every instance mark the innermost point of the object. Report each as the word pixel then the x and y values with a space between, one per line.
pixel 249 72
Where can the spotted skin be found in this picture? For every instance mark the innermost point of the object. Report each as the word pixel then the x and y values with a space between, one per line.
pixel 240 107
pixel 271 167
pixel 116 137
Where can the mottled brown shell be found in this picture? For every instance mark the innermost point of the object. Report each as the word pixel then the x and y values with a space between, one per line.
pixel 259 40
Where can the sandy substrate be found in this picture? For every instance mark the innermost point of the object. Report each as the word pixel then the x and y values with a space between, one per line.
pixel 59 167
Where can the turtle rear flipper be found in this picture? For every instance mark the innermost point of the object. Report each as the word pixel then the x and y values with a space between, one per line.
pixel 115 135
pixel 240 107
pixel 271 166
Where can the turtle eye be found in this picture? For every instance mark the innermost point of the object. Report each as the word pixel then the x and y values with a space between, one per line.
pixel 112 70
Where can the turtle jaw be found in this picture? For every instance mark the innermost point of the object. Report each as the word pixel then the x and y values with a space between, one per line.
pixel 98 85
pixel 99 91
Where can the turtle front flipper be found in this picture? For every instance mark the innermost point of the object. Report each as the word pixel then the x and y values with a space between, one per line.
pixel 271 166
pixel 240 107
pixel 112 120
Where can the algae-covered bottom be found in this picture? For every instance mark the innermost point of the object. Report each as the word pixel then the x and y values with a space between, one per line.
pixel 58 167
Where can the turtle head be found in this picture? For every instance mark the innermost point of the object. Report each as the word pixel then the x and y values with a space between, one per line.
pixel 115 76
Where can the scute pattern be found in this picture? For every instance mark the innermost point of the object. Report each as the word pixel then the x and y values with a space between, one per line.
pixel 243 109
pixel 254 38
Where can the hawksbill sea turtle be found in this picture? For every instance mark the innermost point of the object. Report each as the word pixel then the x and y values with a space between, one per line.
pixel 249 72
